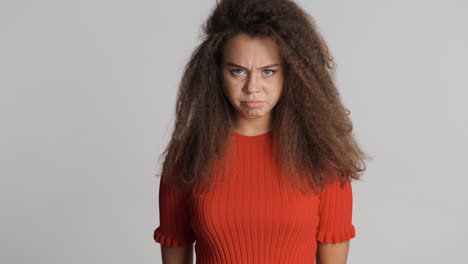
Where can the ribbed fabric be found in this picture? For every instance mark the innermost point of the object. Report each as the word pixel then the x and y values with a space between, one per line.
pixel 254 215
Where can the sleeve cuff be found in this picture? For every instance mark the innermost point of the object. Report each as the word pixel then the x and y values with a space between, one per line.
pixel 172 241
pixel 336 236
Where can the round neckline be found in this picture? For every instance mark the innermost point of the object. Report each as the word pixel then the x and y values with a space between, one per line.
pixel 259 137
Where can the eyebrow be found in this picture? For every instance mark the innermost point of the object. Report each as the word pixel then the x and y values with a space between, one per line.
pixel 263 67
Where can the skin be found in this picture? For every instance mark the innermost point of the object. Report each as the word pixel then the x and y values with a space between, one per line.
pixel 245 77
pixel 332 253
pixel 177 255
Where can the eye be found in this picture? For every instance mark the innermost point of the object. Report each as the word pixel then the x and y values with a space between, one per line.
pixel 234 71
pixel 272 72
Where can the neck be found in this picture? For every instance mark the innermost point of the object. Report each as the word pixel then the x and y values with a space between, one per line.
pixel 252 127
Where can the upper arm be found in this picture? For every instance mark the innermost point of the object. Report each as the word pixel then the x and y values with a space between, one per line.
pixel 335 213
pixel 174 228
pixel 335 228
pixel 177 255
pixel 332 253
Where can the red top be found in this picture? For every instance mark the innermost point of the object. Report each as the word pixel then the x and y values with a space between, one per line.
pixel 255 216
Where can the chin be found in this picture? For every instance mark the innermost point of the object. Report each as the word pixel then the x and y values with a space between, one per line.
pixel 254 115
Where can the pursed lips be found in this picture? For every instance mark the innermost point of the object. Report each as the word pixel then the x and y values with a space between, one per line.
pixel 253 104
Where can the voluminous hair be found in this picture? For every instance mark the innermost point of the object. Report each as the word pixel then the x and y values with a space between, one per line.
pixel 313 139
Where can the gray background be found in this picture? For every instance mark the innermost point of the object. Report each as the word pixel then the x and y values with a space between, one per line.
pixel 87 97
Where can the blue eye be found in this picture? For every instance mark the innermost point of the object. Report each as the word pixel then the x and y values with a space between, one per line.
pixel 239 72
pixel 236 70
pixel 272 71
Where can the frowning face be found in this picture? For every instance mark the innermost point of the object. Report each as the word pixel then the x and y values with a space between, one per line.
pixel 252 75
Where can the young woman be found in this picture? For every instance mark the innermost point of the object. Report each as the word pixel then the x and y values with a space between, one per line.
pixel 260 163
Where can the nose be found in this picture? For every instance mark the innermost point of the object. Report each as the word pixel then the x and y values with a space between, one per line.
pixel 252 84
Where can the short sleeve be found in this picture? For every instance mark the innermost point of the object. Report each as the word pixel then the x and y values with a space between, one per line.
pixel 174 228
pixel 335 213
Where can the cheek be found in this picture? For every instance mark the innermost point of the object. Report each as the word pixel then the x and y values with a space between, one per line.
pixel 232 88
pixel 276 91
pixel 231 91
pixel 227 86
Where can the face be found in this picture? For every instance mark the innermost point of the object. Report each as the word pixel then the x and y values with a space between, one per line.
pixel 252 76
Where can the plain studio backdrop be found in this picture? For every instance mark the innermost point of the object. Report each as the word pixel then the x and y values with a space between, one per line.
pixel 87 100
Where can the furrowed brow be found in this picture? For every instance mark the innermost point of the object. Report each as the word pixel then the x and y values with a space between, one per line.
pixel 263 67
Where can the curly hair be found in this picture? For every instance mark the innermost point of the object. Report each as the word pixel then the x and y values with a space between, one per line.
pixel 313 131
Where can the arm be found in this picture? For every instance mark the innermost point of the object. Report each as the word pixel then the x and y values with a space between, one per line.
pixel 177 255
pixel 332 253
pixel 335 229
pixel 174 232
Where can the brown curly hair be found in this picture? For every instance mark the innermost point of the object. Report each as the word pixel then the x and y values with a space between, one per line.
pixel 312 128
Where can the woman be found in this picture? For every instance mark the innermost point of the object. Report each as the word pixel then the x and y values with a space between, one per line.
pixel 260 163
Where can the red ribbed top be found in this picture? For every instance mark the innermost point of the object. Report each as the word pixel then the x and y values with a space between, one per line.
pixel 254 216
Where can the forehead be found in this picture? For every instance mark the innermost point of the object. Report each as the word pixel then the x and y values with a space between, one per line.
pixel 247 48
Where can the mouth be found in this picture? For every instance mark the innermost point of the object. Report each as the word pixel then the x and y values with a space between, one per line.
pixel 253 104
